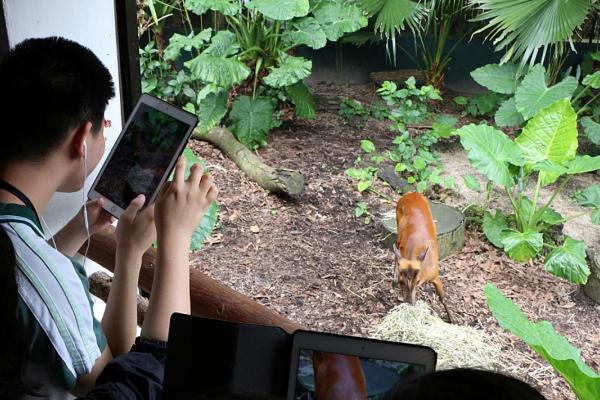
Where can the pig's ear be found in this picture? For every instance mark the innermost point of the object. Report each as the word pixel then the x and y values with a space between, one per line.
pixel 422 256
pixel 397 252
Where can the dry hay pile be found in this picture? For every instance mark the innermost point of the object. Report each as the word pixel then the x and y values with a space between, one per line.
pixel 456 346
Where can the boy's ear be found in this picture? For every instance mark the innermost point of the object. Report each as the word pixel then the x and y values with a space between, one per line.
pixel 81 135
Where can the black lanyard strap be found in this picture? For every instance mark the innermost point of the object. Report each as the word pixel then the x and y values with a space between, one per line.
pixel 17 193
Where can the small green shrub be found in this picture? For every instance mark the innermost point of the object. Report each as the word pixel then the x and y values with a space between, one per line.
pixel 411 155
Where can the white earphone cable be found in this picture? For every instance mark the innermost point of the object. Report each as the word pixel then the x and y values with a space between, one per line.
pixel 47 229
pixel 85 214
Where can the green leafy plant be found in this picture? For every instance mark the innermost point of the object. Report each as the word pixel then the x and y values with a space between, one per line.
pixel 545 150
pixel 411 155
pixel 549 344
pixel 407 105
pixel 354 111
pixel 362 210
pixel 251 60
pixel 525 91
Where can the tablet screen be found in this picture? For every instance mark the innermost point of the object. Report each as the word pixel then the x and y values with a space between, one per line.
pixel 142 156
pixel 323 375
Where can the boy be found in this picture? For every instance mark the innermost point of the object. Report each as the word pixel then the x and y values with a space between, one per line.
pixel 53 121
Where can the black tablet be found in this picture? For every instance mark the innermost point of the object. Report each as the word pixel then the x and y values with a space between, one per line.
pixel 213 359
pixel 326 366
pixel 144 154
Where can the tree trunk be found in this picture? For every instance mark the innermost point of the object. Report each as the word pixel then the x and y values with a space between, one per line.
pixel 287 182
pixel 209 298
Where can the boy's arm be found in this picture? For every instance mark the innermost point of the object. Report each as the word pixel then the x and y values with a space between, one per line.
pixel 85 383
pixel 135 234
pixel 70 238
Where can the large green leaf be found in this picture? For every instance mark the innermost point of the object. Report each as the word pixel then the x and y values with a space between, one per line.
pixel 223 72
pixel 281 10
pixel 304 102
pixel 289 70
pixel 491 152
pixel 544 340
pixel 499 78
pixel 226 7
pixel 472 183
pixel 583 164
pixel 337 18
pixel 568 261
pixel 589 197
pixel 522 246
pixel 507 114
pixel 493 225
pixel 592 80
pixel 251 120
pixel 521 28
pixel 177 42
pixel 591 129
pixel 533 94
pixel 223 44
pixel 211 110
pixel 306 31
pixel 550 135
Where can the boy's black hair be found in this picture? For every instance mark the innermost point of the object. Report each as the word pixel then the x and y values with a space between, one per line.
pixel 464 384
pixel 50 86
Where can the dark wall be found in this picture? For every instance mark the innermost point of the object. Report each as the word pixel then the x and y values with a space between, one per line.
pixel 358 62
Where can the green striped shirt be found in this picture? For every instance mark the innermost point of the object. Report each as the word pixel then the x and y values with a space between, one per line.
pixel 58 337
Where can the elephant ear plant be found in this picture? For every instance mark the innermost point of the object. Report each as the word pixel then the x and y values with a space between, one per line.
pixel 545 152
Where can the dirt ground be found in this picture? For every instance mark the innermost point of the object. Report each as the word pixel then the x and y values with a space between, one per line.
pixel 311 260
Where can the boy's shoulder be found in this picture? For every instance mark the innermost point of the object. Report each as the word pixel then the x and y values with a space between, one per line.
pixel 54 293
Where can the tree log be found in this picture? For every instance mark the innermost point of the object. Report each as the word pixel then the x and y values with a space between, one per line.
pixel 100 283
pixel 209 298
pixel 287 182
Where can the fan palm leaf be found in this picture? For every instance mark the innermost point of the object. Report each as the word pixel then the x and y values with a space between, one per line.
pixel 524 27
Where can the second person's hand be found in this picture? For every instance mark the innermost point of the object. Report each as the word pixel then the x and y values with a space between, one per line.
pixel 182 203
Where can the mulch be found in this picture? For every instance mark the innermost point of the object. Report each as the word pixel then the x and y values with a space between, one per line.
pixel 311 260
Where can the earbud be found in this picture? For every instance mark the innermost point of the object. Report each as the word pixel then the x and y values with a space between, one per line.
pixel 84 150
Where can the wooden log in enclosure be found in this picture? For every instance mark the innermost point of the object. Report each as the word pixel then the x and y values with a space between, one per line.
pixel 398 76
pixel 287 182
pixel 209 298
pixel 592 287
pixel 450 226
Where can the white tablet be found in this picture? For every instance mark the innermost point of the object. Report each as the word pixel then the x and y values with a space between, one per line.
pixel 144 155
pixel 326 366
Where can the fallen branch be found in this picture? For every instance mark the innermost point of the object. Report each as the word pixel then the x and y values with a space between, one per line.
pixel 287 182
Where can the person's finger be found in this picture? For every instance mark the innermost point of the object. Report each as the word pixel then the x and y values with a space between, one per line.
pixel 148 212
pixel 179 176
pixel 212 193
pixel 133 208
pixel 195 175
pixel 205 184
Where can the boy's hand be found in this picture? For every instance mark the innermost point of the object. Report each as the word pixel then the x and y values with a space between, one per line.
pixel 136 230
pixel 98 218
pixel 181 203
